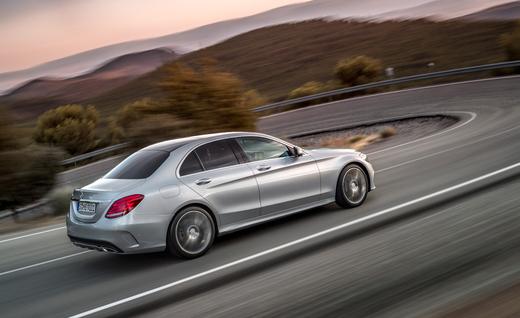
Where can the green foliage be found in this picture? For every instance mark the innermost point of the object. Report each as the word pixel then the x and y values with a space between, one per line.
pixel 358 70
pixel 27 174
pixel 309 88
pixel 71 127
pixel 511 44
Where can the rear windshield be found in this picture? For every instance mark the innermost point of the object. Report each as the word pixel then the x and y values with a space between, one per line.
pixel 140 165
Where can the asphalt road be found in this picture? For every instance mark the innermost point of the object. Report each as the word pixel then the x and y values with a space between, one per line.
pixel 440 232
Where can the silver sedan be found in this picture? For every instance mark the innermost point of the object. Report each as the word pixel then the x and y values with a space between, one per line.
pixel 178 195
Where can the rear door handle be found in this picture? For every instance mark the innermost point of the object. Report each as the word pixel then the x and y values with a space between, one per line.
pixel 203 181
pixel 263 168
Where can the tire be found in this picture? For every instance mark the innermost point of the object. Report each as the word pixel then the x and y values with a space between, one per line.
pixel 191 233
pixel 352 187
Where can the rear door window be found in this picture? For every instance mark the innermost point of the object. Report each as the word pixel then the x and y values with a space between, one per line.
pixel 190 165
pixel 217 154
pixel 140 165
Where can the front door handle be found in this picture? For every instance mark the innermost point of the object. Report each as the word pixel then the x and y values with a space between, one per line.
pixel 203 181
pixel 263 168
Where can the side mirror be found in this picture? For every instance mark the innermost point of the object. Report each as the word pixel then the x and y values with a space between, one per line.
pixel 297 151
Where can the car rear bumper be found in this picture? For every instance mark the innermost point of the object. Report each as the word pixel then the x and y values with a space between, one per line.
pixel 123 235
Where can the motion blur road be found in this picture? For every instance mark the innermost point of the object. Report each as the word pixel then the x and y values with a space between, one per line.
pixel 425 243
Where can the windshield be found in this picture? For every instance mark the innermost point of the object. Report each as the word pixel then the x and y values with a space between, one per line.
pixel 140 165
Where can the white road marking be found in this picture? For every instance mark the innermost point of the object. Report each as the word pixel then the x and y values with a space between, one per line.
pixel 42 263
pixel 32 234
pixel 447 150
pixel 295 242
pixel 472 114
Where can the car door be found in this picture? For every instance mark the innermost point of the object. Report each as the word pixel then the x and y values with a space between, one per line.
pixel 286 182
pixel 221 177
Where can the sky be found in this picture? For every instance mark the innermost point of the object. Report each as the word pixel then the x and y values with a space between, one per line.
pixel 37 31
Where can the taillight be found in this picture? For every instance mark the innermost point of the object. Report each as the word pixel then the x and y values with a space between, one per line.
pixel 124 205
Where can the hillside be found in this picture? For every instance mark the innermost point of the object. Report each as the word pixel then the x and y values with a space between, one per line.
pixel 211 34
pixel 38 93
pixel 277 59
pixel 508 11
pixel 442 9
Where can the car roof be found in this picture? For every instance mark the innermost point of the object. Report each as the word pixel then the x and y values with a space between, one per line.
pixel 171 145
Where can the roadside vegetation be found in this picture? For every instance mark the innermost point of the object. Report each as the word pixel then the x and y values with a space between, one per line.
pixel 358 142
pixel 27 173
pixel 197 100
pixel 71 127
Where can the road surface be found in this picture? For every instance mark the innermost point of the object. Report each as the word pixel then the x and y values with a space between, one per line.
pixel 440 232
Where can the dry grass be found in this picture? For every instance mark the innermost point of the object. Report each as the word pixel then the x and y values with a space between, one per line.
pixel 357 142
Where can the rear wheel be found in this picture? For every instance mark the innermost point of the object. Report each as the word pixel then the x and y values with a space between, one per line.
pixel 352 187
pixel 191 233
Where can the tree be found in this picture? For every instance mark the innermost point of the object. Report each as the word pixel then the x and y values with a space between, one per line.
pixel 146 121
pixel 358 70
pixel 212 99
pixel 71 127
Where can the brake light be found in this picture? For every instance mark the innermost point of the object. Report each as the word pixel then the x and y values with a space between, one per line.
pixel 124 205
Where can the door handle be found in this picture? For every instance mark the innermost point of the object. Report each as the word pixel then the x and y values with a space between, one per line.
pixel 203 181
pixel 263 168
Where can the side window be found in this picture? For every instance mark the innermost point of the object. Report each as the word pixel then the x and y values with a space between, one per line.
pixel 190 165
pixel 217 154
pixel 262 148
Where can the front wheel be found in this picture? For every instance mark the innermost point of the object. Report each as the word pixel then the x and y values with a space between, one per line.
pixel 352 187
pixel 191 233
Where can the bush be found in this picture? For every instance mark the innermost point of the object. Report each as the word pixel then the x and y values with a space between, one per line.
pixel 196 101
pixel 71 127
pixel 211 99
pixel 358 70
pixel 309 88
pixel 27 174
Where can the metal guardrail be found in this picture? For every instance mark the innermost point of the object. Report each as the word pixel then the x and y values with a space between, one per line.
pixel 94 153
pixel 400 80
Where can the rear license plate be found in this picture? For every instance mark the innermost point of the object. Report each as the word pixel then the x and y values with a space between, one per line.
pixel 87 208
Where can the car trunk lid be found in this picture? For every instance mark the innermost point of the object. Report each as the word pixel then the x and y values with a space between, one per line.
pixel 89 203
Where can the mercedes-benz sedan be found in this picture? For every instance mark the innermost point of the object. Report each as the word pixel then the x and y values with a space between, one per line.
pixel 178 195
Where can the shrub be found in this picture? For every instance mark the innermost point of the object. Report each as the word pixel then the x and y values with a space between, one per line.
pixel 309 88
pixel 196 101
pixel 27 174
pixel 71 127
pixel 388 132
pixel 213 100
pixel 358 70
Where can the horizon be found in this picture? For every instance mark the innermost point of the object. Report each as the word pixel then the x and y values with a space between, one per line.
pixel 37 32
